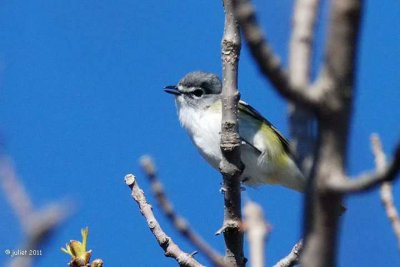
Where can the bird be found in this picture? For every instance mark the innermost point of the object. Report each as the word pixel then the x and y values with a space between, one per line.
pixel 265 153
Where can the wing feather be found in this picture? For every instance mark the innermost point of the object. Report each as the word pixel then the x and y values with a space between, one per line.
pixel 249 110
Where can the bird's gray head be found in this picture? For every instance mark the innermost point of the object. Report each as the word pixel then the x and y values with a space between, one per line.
pixel 196 89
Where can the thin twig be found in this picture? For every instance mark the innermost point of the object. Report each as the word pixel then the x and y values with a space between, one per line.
pixel 166 243
pixel 377 150
pixel 390 208
pixel 178 221
pixel 257 231
pixel 303 136
pixel 268 61
pixel 231 165
pixel 292 258
pixel 370 180
pixel 386 191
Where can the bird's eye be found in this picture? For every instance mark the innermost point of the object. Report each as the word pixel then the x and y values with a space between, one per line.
pixel 198 92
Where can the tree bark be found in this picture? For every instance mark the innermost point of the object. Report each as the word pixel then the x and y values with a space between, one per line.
pixel 231 166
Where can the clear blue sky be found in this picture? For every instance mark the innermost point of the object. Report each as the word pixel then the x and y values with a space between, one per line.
pixel 81 100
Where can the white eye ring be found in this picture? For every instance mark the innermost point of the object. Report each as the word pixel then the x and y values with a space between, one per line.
pixel 198 93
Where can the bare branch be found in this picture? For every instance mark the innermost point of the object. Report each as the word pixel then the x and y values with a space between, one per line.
pixel 292 258
pixel 179 222
pixel 231 165
pixel 370 180
pixel 42 225
pixel 37 225
pixel 300 54
pixel 257 230
pixel 377 150
pixel 15 192
pixel 267 60
pixel 166 243
pixel 301 43
pixel 335 86
pixel 386 192
pixel 336 79
pixel 390 208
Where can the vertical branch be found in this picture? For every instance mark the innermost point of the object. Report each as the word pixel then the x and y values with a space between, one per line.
pixel 231 166
pixel 257 230
pixel 336 80
pixel 301 43
pixel 300 54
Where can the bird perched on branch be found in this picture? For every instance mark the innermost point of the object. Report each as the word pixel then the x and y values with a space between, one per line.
pixel 264 151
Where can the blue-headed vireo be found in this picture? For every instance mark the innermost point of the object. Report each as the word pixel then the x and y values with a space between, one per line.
pixel 264 151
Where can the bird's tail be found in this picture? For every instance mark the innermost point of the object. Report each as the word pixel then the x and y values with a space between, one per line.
pixel 291 177
pixel 295 180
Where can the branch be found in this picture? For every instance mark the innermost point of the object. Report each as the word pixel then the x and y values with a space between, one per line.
pixel 377 150
pixel 336 79
pixel 390 208
pixel 300 54
pixel 15 192
pixel 386 192
pixel 166 243
pixel 257 231
pixel 179 222
pixel 292 258
pixel 370 180
pixel 37 225
pixel 267 60
pixel 43 224
pixel 335 87
pixel 231 165
pixel 305 14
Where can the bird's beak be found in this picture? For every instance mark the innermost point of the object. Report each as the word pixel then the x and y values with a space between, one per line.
pixel 172 89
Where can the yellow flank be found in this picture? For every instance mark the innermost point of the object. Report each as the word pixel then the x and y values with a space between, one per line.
pixel 278 154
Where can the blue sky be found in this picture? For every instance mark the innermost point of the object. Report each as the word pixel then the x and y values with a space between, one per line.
pixel 81 100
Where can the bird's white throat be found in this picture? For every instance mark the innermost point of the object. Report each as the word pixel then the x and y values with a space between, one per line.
pixel 203 127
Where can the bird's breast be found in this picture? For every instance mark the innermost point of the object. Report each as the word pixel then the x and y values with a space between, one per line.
pixel 204 129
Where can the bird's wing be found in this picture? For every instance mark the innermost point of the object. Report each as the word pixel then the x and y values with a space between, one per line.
pixel 245 142
pixel 251 121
